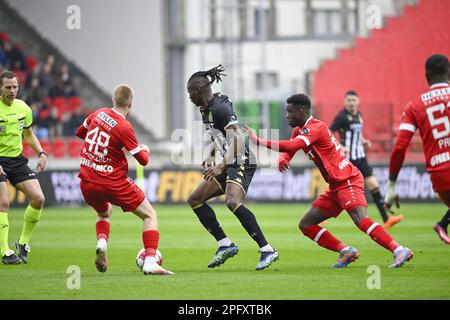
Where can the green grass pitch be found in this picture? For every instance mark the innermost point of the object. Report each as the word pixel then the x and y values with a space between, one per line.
pixel 66 237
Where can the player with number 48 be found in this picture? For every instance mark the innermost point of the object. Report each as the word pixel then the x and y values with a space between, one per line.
pixel 104 176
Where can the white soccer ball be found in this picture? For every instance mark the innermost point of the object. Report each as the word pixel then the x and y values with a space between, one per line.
pixel 140 258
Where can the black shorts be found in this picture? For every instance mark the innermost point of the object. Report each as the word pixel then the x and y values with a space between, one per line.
pixel 363 166
pixel 16 170
pixel 241 175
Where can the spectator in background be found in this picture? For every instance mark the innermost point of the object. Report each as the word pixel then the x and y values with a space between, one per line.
pixel 16 59
pixel 34 73
pixel 3 59
pixel 57 90
pixel 46 77
pixel 45 122
pixel 74 120
pixel 34 93
pixel 65 75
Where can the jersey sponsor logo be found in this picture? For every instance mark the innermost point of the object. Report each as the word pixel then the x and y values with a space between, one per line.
pixel 436 94
pixel 306 131
pixel 344 163
pixel 444 143
pixel 97 167
pixel 105 118
pixel 440 158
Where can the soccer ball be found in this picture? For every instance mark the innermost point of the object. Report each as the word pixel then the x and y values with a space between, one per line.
pixel 140 258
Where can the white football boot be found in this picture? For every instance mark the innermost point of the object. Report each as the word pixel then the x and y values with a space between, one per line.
pixel 152 268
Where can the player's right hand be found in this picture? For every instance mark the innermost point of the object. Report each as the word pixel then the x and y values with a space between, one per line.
pixel 283 165
pixel 208 163
pixel 145 148
pixel 391 197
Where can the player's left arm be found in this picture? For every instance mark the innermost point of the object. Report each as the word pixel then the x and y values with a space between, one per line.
pixel 406 132
pixel 31 139
pixel 139 151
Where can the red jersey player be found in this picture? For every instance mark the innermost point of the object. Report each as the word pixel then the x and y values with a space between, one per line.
pixel 430 113
pixel 103 174
pixel 346 184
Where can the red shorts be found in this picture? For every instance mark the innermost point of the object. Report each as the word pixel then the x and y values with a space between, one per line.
pixel 125 194
pixel 347 196
pixel 440 180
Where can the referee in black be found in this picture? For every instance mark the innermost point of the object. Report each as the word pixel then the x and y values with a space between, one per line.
pixel 349 124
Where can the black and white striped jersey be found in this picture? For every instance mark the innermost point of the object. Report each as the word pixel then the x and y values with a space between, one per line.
pixel 217 117
pixel 350 128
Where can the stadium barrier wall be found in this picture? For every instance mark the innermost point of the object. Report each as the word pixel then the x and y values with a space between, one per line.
pixel 173 186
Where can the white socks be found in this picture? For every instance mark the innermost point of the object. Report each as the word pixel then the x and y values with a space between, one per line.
pixel 102 244
pixel 225 242
pixel 267 248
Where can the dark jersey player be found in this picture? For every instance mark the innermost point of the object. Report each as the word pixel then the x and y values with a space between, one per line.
pixel 104 181
pixel 349 124
pixel 430 114
pixel 228 169
pixel 346 184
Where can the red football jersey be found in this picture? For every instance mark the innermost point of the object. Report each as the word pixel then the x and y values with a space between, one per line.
pixel 327 154
pixel 102 157
pixel 430 113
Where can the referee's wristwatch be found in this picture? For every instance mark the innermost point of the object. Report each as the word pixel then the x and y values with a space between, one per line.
pixel 42 153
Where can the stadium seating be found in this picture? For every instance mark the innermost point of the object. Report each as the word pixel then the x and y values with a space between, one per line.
pixel 387 69
pixel 58 147
pixel 74 147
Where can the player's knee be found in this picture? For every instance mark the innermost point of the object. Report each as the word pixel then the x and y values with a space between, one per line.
pixel 104 215
pixel 37 201
pixel 302 225
pixel 372 184
pixel 232 203
pixel 4 204
pixel 194 201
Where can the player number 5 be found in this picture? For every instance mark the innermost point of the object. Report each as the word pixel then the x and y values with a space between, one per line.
pixel 438 121
pixel 99 139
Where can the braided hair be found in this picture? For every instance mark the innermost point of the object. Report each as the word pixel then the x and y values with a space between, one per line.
pixel 215 75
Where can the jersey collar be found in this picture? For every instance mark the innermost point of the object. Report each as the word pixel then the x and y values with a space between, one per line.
pixel 310 117
pixel 441 84
pixel 118 113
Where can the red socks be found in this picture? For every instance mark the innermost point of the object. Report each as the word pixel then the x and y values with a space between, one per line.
pixel 150 239
pixel 102 227
pixel 323 238
pixel 378 234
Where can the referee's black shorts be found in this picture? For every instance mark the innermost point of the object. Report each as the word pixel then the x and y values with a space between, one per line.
pixel 363 166
pixel 16 170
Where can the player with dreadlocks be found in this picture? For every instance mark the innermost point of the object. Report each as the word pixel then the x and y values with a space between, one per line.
pixel 229 167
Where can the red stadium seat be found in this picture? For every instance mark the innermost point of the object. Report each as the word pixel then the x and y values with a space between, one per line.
pixel 60 103
pixel 4 37
pixel 58 147
pixel 74 103
pixel 27 151
pixel 74 146
pixel 31 62
pixel 45 146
